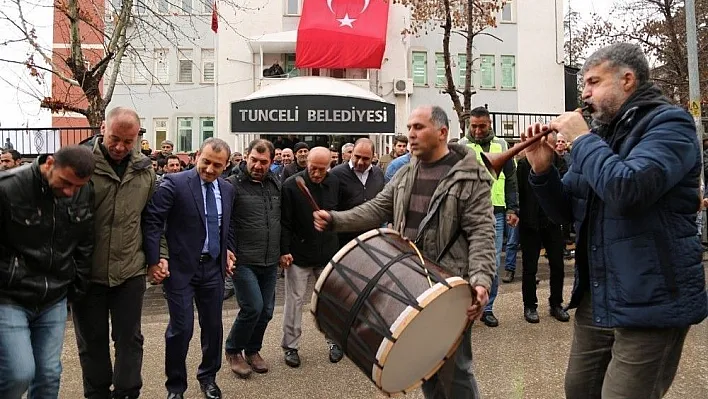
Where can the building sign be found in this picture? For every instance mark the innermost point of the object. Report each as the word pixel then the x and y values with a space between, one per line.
pixel 312 114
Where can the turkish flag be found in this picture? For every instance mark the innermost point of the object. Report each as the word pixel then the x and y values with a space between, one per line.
pixel 342 34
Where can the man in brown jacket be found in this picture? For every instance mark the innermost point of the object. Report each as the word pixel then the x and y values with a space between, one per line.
pixel 448 181
pixel 123 182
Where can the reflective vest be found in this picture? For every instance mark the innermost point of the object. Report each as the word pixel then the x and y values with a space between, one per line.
pixel 498 197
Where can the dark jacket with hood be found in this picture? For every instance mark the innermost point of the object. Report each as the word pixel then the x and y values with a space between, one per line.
pixel 309 247
pixel 633 192
pixel 531 214
pixel 255 220
pixel 45 252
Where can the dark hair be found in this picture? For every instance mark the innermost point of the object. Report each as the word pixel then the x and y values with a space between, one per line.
pixel 161 162
pixel 167 160
pixel 16 156
pixel 77 157
pixel 217 145
pixel 479 112
pixel 365 140
pixel 400 139
pixel 261 146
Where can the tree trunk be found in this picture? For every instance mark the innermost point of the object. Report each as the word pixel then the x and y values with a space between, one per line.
pixel 467 93
pixel 450 87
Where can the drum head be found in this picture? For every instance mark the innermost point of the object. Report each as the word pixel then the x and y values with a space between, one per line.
pixel 425 341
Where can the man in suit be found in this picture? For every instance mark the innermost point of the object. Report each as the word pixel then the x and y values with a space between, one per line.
pixel 198 261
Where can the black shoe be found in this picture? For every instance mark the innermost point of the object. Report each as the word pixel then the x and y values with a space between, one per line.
pixel 489 320
pixel 335 353
pixel 175 396
pixel 559 314
pixel 211 390
pixel 531 315
pixel 292 359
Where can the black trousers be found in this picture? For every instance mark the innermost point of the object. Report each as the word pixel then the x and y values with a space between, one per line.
pixel 551 238
pixel 206 289
pixel 124 305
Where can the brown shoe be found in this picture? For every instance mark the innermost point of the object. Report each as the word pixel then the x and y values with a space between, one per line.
pixel 238 365
pixel 257 363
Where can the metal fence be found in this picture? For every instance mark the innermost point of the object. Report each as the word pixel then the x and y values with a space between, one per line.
pixel 31 142
pixel 510 125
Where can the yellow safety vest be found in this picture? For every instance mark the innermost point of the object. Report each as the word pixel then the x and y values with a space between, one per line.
pixel 498 197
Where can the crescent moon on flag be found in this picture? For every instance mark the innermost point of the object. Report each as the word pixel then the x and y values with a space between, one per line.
pixel 329 5
pixel 366 5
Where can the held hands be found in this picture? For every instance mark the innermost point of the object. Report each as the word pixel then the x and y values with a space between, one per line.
pixel 159 272
pixel 286 260
pixel 230 263
pixel 474 312
pixel 511 219
pixel 322 219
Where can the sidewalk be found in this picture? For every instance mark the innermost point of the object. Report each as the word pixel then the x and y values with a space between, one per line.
pixel 513 361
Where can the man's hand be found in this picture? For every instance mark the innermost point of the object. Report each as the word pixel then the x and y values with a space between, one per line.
pixel 474 312
pixel 322 219
pixel 286 261
pixel 159 271
pixel 571 125
pixel 511 219
pixel 230 262
pixel 540 153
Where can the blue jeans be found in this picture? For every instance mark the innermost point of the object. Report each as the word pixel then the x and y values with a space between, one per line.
pixel 500 223
pixel 255 292
pixel 30 351
pixel 512 246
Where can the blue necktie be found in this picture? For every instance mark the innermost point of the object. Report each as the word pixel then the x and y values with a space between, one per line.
pixel 212 217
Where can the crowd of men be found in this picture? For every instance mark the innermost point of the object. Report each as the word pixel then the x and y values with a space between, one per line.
pixel 89 225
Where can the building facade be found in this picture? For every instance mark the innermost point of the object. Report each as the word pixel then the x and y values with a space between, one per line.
pixel 521 70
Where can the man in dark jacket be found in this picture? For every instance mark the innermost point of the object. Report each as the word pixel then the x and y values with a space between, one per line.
pixel 305 251
pixel 633 192
pixel 46 221
pixel 300 150
pixel 359 182
pixel 256 239
pixel 535 232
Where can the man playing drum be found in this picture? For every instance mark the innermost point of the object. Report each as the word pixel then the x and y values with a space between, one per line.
pixel 448 181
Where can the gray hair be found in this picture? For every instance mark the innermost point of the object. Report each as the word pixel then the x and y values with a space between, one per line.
pixel 621 55
pixel 347 145
pixel 439 117
pixel 120 111
pixel 217 145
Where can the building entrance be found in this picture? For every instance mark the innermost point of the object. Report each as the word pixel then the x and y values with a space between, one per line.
pixel 331 141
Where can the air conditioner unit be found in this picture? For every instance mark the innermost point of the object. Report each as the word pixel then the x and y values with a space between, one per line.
pixel 402 87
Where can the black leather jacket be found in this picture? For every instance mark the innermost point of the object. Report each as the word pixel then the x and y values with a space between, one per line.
pixel 47 242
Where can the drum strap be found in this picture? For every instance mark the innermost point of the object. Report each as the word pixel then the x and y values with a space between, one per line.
pixel 449 245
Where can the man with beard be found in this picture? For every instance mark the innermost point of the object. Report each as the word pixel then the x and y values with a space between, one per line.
pixel 358 182
pixel 305 250
pixel 633 192
pixel 256 240
pixel 46 221
pixel 123 182
pixel 481 138
pixel 301 149
pixel 10 159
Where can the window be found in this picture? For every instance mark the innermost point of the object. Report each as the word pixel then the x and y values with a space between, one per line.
pixel 507 12
pixel 162 66
pixel 136 70
pixel 420 68
pixel 163 6
pixel 487 79
pixel 462 65
pixel 206 126
pixel 508 72
pixel 187 6
pixel 185 66
pixel 184 134
pixel 160 126
pixel 290 69
pixel 293 7
pixel 207 66
pixel 440 79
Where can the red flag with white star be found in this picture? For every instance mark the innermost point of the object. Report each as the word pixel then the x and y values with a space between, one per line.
pixel 342 34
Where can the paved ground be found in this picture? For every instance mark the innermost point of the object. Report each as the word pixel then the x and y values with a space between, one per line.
pixel 513 361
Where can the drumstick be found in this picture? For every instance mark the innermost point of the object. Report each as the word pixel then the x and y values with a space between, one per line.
pixel 301 185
